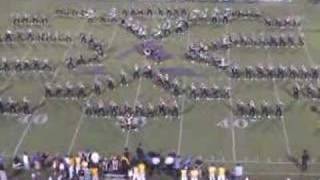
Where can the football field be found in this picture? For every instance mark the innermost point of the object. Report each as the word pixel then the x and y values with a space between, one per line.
pixel 262 146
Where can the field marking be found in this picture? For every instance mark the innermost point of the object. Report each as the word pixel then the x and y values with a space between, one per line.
pixel 267 162
pixel 28 127
pixel 76 132
pixel 182 108
pixel 233 133
pixel 134 105
pixel 81 120
pixel 284 128
pixel 181 125
pixel 24 133
pixel 282 174
pixel 114 33
pixel 307 52
pixel 78 127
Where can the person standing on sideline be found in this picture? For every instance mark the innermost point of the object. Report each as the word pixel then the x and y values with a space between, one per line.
pixel 184 174
pixel 212 172
pixel 221 173
pixel 238 171
pixel 3 174
pixel 305 158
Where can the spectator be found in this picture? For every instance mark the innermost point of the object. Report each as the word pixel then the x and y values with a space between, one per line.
pixel 3 174
pixel 212 172
pixel 26 161
pixel 238 172
pixel 305 160
pixel 221 173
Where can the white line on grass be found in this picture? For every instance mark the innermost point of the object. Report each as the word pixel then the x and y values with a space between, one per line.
pixel 283 174
pixel 24 133
pixel 134 105
pixel 307 52
pixel 233 133
pixel 78 127
pixel 182 109
pixel 181 125
pixel 76 132
pixel 114 33
pixel 28 127
pixel 268 162
pixel 82 117
pixel 284 128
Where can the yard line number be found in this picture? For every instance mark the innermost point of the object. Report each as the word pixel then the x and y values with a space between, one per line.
pixel 35 118
pixel 238 123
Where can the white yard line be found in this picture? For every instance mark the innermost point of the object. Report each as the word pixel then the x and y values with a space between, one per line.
pixel 82 117
pixel 28 127
pixel 24 133
pixel 283 174
pixel 182 108
pixel 268 162
pixel 181 125
pixel 77 130
pixel 284 128
pixel 306 50
pixel 134 105
pixel 114 33
pixel 233 133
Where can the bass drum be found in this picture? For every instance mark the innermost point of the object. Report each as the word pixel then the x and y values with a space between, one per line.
pixel 147 51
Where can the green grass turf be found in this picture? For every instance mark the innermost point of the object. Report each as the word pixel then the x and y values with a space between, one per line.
pixel 260 142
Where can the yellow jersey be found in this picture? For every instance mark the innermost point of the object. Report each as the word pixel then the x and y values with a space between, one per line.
pixel 141 168
pixel 212 170
pixel 94 172
pixel 77 160
pixel 222 171
pixel 72 161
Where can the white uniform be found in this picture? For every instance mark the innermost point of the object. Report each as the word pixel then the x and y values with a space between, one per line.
pixel 130 174
pixel 3 175
pixel 184 175
pixel 194 174
pixel 142 171
pixel 135 173
pixel 26 163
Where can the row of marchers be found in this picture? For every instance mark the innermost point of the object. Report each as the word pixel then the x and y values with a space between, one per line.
pixel 102 109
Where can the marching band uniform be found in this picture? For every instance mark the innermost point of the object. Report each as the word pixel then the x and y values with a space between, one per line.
pixel 212 172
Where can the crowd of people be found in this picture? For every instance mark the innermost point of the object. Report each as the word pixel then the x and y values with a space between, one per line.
pixel 265 110
pixel 26 19
pixel 307 90
pixel 138 165
pixel 175 20
pixel 280 72
pixel 33 36
pixel 126 165
pixel 13 106
pixel 35 65
pixel 101 108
